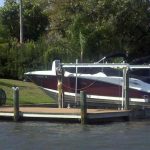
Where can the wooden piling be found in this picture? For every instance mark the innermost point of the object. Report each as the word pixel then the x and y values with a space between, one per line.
pixel 60 74
pixel 126 88
pixel 16 103
pixel 62 90
pixel 60 101
pixel 83 106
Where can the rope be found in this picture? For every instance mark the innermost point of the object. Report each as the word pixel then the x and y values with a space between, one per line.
pixel 80 88
pixel 70 87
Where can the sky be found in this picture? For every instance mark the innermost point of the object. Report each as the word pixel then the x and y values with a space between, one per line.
pixel 1 2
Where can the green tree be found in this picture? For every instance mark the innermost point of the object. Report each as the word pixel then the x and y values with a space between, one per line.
pixel 10 18
pixel 132 24
pixel 34 19
pixel 15 58
pixel 109 26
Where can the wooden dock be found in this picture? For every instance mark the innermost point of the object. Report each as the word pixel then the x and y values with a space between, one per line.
pixel 82 114
pixel 64 114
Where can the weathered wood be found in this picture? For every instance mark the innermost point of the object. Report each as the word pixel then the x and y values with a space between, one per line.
pixel 126 88
pixel 16 103
pixel 60 76
pixel 74 114
pixel 59 87
pixel 83 106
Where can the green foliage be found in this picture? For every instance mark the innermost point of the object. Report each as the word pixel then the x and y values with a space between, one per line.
pixel 71 29
pixel 110 26
pixel 133 27
pixel 10 18
pixel 34 20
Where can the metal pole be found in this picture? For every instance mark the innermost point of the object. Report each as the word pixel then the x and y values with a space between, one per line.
pixel 21 22
pixel 62 94
pixel 76 84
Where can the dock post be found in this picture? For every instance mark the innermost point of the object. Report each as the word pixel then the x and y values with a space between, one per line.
pixel 59 86
pixel 126 88
pixel 83 106
pixel 60 74
pixel 16 103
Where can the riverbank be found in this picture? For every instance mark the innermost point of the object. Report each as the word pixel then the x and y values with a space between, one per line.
pixel 29 93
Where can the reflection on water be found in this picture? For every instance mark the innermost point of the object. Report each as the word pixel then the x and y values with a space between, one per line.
pixel 53 136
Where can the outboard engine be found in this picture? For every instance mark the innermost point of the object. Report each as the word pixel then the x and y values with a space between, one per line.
pixel 55 64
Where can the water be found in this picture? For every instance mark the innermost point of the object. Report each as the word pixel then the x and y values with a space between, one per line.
pixel 55 136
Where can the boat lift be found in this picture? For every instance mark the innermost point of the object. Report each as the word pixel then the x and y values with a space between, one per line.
pixel 124 66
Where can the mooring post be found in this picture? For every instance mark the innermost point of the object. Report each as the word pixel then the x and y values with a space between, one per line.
pixel 83 106
pixel 60 74
pixel 59 87
pixel 126 88
pixel 16 103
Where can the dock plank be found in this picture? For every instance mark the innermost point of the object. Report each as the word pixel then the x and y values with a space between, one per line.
pixel 58 110
pixel 62 113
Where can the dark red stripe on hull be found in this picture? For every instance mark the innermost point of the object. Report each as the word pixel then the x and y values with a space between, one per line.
pixel 91 87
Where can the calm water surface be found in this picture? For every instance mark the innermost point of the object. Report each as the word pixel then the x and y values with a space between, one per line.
pixel 55 136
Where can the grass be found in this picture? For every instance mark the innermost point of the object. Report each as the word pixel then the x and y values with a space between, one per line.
pixel 28 92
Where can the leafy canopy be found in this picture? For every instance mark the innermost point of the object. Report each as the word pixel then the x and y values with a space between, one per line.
pixel 34 19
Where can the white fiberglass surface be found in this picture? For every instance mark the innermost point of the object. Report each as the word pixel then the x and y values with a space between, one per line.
pixel 47 72
pixel 100 97
pixel 133 83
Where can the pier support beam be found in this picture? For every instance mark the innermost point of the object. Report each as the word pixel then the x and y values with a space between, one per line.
pixel 83 106
pixel 59 87
pixel 126 88
pixel 60 75
pixel 16 103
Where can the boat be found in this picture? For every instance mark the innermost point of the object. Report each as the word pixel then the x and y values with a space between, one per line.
pixel 142 74
pixel 101 82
